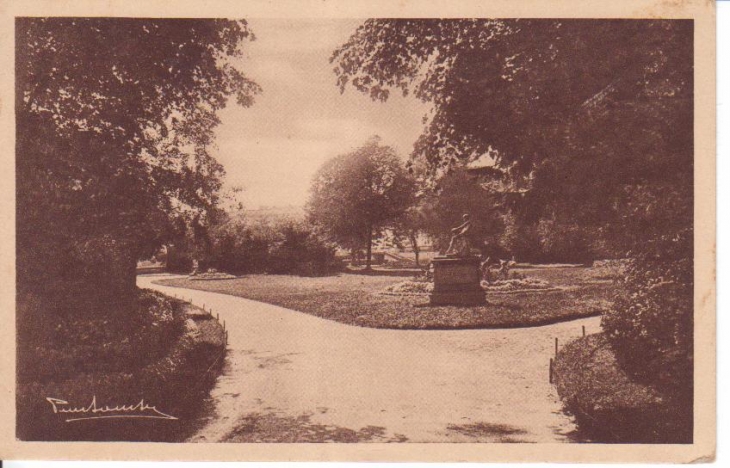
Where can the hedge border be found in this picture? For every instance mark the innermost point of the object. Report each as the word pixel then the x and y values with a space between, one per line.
pixel 175 383
pixel 609 406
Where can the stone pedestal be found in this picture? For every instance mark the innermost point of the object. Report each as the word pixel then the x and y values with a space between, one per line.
pixel 456 282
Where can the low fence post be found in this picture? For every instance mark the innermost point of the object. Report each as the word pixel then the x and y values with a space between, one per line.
pixel 556 346
pixel 551 370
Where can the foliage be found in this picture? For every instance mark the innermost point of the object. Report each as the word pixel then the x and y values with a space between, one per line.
pixel 581 112
pixel 65 345
pixel 355 196
pixel 456 194
pixel 270 245
pixel 169 362
pixel 610 406
pixel 298 249
pixel 593 119
pixel 565 242
pixel 114 120
pixel 651 324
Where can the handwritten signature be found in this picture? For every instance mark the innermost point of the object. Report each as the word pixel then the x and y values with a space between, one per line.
pixel 93 411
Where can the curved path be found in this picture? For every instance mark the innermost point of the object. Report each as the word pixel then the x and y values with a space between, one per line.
pixel 295 377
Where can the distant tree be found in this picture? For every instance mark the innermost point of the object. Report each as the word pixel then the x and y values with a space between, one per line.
pixel 456 194
pixel 410 226
pixel 114 120
pixel 356 195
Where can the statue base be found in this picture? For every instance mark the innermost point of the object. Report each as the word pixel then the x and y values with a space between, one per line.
pixel 456 281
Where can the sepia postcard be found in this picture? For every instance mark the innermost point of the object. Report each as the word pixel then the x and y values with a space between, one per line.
pixel 359 231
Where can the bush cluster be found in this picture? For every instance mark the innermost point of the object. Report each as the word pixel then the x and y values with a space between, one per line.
pixel 63 345
pixel 650 326
pixel 173 371
pixel 609 405
pixel 280 247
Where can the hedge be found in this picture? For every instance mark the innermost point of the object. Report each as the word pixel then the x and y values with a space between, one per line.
pixel 610 407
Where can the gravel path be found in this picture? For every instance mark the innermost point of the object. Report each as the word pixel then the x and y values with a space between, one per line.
pixel 293 377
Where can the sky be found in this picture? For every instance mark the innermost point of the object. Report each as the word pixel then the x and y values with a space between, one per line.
pixel 300 120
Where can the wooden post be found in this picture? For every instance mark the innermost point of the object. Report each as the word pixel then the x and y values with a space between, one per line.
pixel 551 370
pixel 584 330
pixel 556 346
pixel 224 324
pixel 217 317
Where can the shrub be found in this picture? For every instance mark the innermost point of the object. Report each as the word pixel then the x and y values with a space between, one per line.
pixel 300 251
pixel 609 406
pixel 177 379
pixel 561 242
pixel 282 247
pixel 55 346
pixel 179 258
pixel 650 326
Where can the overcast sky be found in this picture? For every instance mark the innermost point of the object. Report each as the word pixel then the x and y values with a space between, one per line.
pixel 273 148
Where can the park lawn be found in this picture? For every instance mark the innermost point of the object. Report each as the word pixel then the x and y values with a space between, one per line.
pixel 356 299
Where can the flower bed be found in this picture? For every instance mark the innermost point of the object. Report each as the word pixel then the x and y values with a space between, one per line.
pixel 409 288
pixel 208 276
pixel 522 284
pixel 418 288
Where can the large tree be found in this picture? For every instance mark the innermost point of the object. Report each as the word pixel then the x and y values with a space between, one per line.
pixel 585 111
pixel 356 195
pixel 115 117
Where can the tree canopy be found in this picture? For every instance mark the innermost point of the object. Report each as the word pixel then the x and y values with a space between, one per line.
pixel 356 195
pixel 460 193
pixel 115 118
pixel 593 114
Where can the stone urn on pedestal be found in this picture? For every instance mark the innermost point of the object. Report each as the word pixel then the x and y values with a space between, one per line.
pixel 456 275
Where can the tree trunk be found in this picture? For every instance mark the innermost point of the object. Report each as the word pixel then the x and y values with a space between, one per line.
pixel 416 250
pixel 370 249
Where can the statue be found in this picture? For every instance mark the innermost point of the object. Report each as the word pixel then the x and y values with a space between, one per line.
pixel 459 245
pixel 456 274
